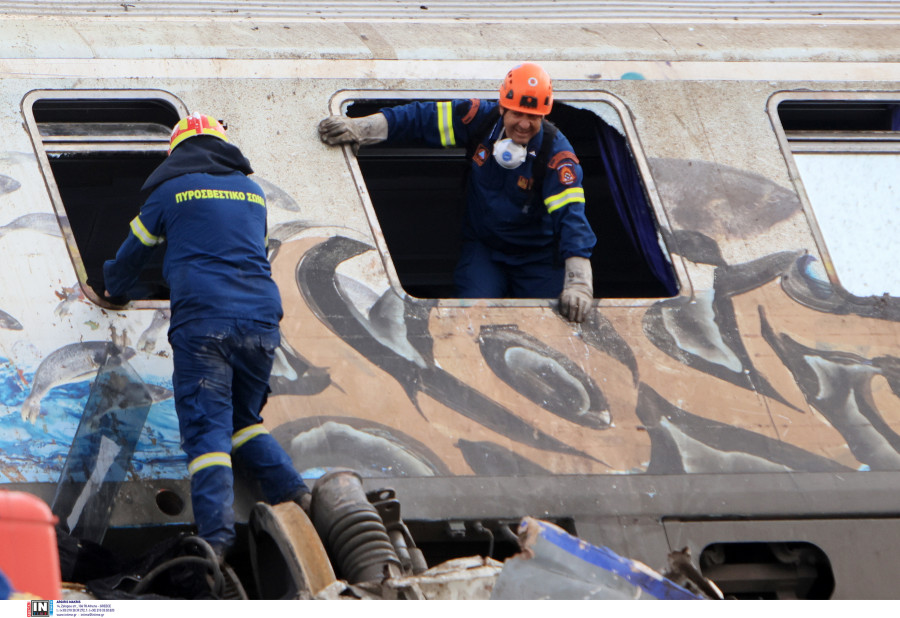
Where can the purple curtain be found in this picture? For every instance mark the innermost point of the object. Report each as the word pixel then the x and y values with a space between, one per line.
pixel 632 205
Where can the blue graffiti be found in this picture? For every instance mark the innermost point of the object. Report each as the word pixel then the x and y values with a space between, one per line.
pixel 36 452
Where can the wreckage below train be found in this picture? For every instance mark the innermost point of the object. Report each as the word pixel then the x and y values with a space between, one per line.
pixel 354 545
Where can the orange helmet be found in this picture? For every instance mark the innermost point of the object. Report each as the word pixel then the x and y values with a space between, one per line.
pixel 527 88
pixel 195 124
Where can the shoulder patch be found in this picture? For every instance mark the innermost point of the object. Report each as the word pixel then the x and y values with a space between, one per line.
pixel 567 175
pixel 473 111
pixel 560 157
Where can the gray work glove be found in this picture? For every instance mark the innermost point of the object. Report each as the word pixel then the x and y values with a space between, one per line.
pixel 578 289
pixel 337 130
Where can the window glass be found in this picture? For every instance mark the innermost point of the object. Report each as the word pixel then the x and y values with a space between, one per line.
pixel 856 199
pixel 847 154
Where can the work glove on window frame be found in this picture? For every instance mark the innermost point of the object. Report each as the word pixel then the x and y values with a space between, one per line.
pixel 338 130
pixel 578 289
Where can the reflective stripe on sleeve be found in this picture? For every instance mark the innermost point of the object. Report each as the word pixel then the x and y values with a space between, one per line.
pixel 246 434
pixel 146 238
pixel 445 123
pixel 207 460
pixel 569 196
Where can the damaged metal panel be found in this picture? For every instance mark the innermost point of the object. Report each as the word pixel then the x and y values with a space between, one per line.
pixel 556 565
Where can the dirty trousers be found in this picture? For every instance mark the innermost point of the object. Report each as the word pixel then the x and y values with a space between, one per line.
pixel 221 381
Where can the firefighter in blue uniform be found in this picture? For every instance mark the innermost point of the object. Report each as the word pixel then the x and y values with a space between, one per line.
pixel 525 234
pixel 225 313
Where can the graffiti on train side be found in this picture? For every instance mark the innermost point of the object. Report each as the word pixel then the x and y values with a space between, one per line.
pixel 770 368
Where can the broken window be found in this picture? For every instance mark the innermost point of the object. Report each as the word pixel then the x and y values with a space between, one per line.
pixel 96 149
pixel 847 156
pixel 418 197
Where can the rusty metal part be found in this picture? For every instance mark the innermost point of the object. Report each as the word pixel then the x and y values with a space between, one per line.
pixel 288 558
pixel 352 529
pixel 385 501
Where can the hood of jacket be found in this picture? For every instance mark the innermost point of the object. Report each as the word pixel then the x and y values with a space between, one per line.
pixel 201 154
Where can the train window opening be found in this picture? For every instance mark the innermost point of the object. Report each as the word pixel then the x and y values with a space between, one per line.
pixel 791 570
pixel 847 156
pixel 97 151
pixel 418 195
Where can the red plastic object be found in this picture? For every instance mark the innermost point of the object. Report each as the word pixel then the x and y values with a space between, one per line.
pixel 28 552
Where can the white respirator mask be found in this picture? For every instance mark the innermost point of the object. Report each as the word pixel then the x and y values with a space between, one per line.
pixel 509 154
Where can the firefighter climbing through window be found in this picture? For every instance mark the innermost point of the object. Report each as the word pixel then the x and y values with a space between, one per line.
pixel 225 314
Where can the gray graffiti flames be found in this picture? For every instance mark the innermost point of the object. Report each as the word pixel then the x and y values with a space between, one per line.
pixel 45 223
pixel 543 375
pixel 9 322
pixel 702 332
pixel 681 442
pixel 491 459
pixel 292 374
pixel 802 285
pixel 373 449
pixel 8 184
pixel 745 203
pixel 276 196
pixel 320 288
pixel 599 333
pixel 838 385
pixel 67 364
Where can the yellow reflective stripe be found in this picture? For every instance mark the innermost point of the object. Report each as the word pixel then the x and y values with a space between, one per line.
pixel 146 238
pixel 246 434
pixel 569 196
pixel 207 460
pixel 445 123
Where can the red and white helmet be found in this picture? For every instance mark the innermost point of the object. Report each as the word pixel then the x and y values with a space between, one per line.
pixel 527 88
pixel 195 124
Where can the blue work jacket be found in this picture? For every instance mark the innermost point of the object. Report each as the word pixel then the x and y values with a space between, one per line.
pixel 214 228
pixel 502 211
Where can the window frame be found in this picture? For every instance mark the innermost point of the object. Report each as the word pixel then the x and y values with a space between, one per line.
pixel 343 99
pixel 100 143
pixel 826 142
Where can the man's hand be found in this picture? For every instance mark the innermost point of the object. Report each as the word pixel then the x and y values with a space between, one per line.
pixel 578 289
pixel 118 301
pixel 337 130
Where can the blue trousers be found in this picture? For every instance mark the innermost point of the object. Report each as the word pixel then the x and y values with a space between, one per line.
pixel 484 273
pixel 221 381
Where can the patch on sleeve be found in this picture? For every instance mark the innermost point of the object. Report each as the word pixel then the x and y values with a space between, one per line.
pixel 567 175
pixel 561 158
pixel 473 110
